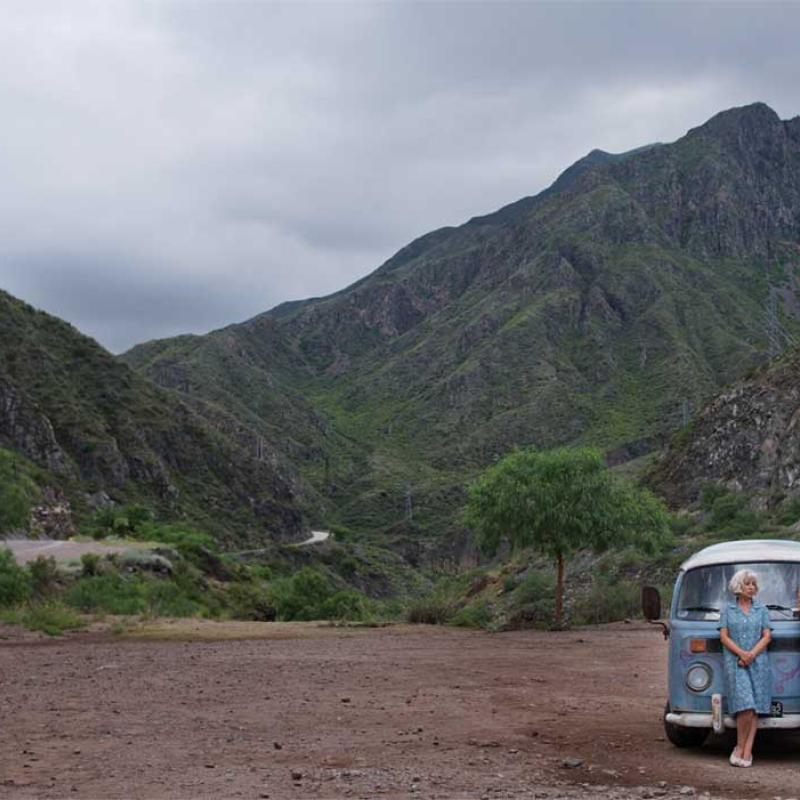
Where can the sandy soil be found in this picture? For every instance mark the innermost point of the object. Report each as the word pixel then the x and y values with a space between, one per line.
pixel 199 710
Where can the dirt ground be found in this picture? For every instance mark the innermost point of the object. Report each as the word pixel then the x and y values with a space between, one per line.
pixel 267 710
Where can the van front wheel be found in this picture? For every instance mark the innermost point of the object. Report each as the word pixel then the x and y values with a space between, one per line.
pixel 684 737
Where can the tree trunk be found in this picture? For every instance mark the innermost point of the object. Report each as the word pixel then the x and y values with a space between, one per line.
pixel 559 590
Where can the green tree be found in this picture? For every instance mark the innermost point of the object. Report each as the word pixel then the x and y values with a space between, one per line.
pixel 560 501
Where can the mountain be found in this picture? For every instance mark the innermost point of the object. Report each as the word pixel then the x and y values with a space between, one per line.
pixel 103 432
pixel 604 310
pixel 747 439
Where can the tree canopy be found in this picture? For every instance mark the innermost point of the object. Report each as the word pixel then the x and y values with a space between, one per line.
pixel 559 501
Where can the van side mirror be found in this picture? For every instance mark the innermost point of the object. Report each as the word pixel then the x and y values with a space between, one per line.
pixel 651 608
pixel 651 603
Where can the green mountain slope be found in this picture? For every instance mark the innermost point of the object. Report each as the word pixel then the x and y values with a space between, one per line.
pixel 601 311
pixel 99 428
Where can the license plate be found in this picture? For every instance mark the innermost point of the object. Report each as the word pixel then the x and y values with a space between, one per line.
pixel 776 709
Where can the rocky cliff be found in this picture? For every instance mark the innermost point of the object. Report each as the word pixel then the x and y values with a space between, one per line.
pixel 747 439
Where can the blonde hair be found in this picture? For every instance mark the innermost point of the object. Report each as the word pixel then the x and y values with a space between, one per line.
pixel 737 582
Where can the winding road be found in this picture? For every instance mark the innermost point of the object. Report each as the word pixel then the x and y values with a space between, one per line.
pixel 315 538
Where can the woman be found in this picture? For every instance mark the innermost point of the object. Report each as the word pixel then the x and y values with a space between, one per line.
pixel 745 632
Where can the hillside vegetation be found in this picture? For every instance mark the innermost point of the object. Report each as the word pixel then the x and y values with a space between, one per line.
pixel 99 433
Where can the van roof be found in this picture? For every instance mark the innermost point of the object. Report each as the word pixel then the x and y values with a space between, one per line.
pixel 747 550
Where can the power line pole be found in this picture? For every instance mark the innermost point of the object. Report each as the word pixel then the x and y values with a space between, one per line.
pixel 409 503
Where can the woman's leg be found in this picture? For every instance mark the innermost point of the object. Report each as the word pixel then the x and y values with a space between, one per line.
pixel 752 727
pixel 742 729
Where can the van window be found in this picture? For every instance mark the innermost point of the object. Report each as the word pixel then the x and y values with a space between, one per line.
pixel 704 589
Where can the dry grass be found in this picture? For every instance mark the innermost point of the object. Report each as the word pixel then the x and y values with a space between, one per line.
pixel 232 630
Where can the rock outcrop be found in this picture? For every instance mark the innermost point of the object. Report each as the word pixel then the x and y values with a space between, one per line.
pixel 747 439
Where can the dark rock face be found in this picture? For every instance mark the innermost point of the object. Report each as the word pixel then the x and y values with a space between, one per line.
pixel 23 428
pixel 729 188
pixel 747 439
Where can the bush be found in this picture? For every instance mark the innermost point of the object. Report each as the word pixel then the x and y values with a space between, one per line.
pixel 112 594
pixel 50 618
pixel 166 599
pixel 14 581
pixel 725 508
pixel 477 615
pixel 90 564
pixel 608 602
pixel 301 596
pixel 251 601
pixel 789 512
pixel 680 524
pixel 533 600
pixel 345 605
pixel 431 611
pixel 44 576
pixel 535 586
pixel 711 492
pixel 129 520
pixel 18 492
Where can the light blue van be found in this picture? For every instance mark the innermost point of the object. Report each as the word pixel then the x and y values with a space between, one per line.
pixel 696 703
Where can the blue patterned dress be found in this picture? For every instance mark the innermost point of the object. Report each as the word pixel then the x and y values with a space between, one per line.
pixel 746 687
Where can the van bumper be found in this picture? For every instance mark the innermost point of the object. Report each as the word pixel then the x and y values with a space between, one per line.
pixel 692 719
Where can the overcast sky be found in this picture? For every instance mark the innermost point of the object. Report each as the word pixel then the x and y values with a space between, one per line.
pixel 168 167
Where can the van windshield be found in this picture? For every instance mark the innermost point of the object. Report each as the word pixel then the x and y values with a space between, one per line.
pixel 704 589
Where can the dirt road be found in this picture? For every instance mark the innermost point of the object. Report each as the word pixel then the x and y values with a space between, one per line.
pixel 310 712
pixel 26 550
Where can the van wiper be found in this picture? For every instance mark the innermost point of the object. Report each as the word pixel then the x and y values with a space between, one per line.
pixel 709 609
pixel 778 607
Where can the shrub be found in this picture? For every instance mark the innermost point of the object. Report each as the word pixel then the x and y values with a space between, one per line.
pixel 17 491
pixel 44 576
pixel 345 605
pixel 166 599
pixel 534 587
pixel 431 611
pixel 725 508
pixel 260 572
pixel 50 618
pixel 129 520
pixel 251 601
pixel 680 524
pixel 90 564
pixel 711 492
pixel 477 615
pixel 113 594
pixel 608 602
pixel 14 581
pixel 789 512
pixel 301 596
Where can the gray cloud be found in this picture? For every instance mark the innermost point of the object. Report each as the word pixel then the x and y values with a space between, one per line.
pixel 174 166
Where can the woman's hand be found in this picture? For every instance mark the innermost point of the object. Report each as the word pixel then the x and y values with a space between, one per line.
pixel 747 658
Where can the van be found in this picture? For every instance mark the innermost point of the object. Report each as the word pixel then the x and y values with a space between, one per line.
pixel 696 702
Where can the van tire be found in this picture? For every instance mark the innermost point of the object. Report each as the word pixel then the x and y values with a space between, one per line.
pixel 684 737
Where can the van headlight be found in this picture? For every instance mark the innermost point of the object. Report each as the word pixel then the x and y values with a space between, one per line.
pixel 698 677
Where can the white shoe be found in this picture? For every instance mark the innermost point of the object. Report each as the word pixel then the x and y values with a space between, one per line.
pixel 739 762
